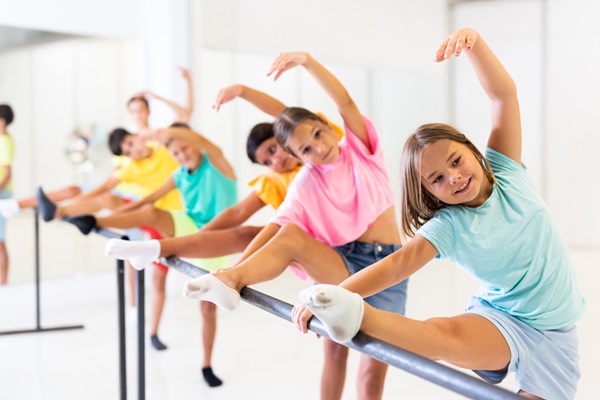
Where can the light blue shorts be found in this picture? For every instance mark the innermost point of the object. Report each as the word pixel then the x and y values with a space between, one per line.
pixel 4 194
pixel 358 256
pixel 545 363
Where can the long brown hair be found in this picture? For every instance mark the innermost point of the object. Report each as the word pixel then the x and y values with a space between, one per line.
pixel 418 205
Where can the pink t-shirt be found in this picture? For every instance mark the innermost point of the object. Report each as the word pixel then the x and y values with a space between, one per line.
pixel 336 203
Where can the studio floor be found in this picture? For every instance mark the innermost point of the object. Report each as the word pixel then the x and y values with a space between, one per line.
pixel 258 355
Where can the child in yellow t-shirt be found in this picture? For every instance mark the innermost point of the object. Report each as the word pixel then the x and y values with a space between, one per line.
pixel 7 151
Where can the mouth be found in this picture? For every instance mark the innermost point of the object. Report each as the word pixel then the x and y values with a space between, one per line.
pixel 327 154
pixel 464 187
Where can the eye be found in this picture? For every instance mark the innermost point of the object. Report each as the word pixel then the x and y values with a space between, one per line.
pixel 271 150
pixel 455 163
pixel 317 134
pixel 306 150
pixel 437 179
pixel 267 163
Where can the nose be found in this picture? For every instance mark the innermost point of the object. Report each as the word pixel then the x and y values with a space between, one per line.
pixel 454 177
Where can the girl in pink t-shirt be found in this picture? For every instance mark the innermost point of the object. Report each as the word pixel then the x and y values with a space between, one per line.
pixel 338 217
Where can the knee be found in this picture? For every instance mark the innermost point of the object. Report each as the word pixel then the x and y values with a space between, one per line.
pixel 336 353
pixel 149 210
pixel 208 310
pixel 291 234
pixel 73 191
pixel 371 379
pixel 159 280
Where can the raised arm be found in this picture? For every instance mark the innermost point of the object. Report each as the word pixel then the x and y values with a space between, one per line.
pixel 183 112
pixel 214 152
pixel 505 136
pixel 258 99
pixel 332 86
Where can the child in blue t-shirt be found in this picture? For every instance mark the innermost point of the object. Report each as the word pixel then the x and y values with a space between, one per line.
pixel 485 215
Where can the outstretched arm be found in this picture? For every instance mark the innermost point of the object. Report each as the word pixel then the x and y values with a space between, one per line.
pixel 505 136
pixel 183 112
pixel 151 198
pixel 258 99
pixel 7 175
pixel 332 86
pixel 214 152
pixel 237 214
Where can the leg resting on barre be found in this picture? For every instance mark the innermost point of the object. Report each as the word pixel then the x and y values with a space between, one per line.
pixel 209 288
pixel 140 253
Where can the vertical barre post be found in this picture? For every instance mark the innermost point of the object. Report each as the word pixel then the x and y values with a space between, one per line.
pixel 141 307
pixel 121 313
pixel 38 323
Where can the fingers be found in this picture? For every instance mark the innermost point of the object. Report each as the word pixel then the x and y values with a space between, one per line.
pixel 300 317
pixel 455 44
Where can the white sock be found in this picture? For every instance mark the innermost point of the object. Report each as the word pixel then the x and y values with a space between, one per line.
pixel 140 253
pixel 9 207
pixel 340 310
pixel 209 288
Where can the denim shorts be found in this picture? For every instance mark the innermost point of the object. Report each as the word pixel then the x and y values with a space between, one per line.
pixel 4 194
pixel 545 362
pixel 358 256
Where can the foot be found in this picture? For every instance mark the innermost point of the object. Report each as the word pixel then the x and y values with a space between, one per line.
pixel 9 208
pixel 140 253
pixel 85 223
pixel 209 288
pixel 46 206
pixel 210 378
pixel 156 343
pixel 339 310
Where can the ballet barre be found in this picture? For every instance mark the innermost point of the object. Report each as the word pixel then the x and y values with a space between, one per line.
pixel 422 367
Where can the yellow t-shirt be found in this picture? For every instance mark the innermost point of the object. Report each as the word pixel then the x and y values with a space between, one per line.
pixel 271 187
pixel 150 173
pixel 7 153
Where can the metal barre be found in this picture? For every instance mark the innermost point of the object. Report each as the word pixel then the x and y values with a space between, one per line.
pixel 429 370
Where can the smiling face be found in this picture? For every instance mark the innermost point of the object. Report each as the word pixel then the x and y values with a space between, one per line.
pixel 270 154
pixel 133 147
pixel 139 113
pixel 185 154
pixel 314 142
pixel 451 172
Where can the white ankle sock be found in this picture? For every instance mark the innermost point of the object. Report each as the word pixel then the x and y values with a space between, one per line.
pixel 209 288
pixel 140 253
pixel 339 310
pixel 9 207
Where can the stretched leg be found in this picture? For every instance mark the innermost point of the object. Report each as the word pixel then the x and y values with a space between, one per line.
pixel 159 278
pixel 209 331
pixel 289 245
pixel 334 370
pixel 56 197
pixel 145 215
pixel 3 264
pixel 371 378
pixel 467 340
pixel 90 205
pixel 202 244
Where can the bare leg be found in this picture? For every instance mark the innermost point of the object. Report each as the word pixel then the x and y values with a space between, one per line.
pixel 289 245
pixel 333 375
pixel 89 206
pixel 209 331
pixel 159 278
pixel 56 196
pixel 467 340
pixel 209 244
pixel 529 395
pixel 145 215
pixel 3 264
pixel 131 281
pixel 371 378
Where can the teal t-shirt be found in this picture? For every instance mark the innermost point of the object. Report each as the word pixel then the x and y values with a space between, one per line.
pixel 206 192
pixel 514 249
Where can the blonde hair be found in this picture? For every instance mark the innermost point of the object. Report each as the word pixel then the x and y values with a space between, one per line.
pixel 418 205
